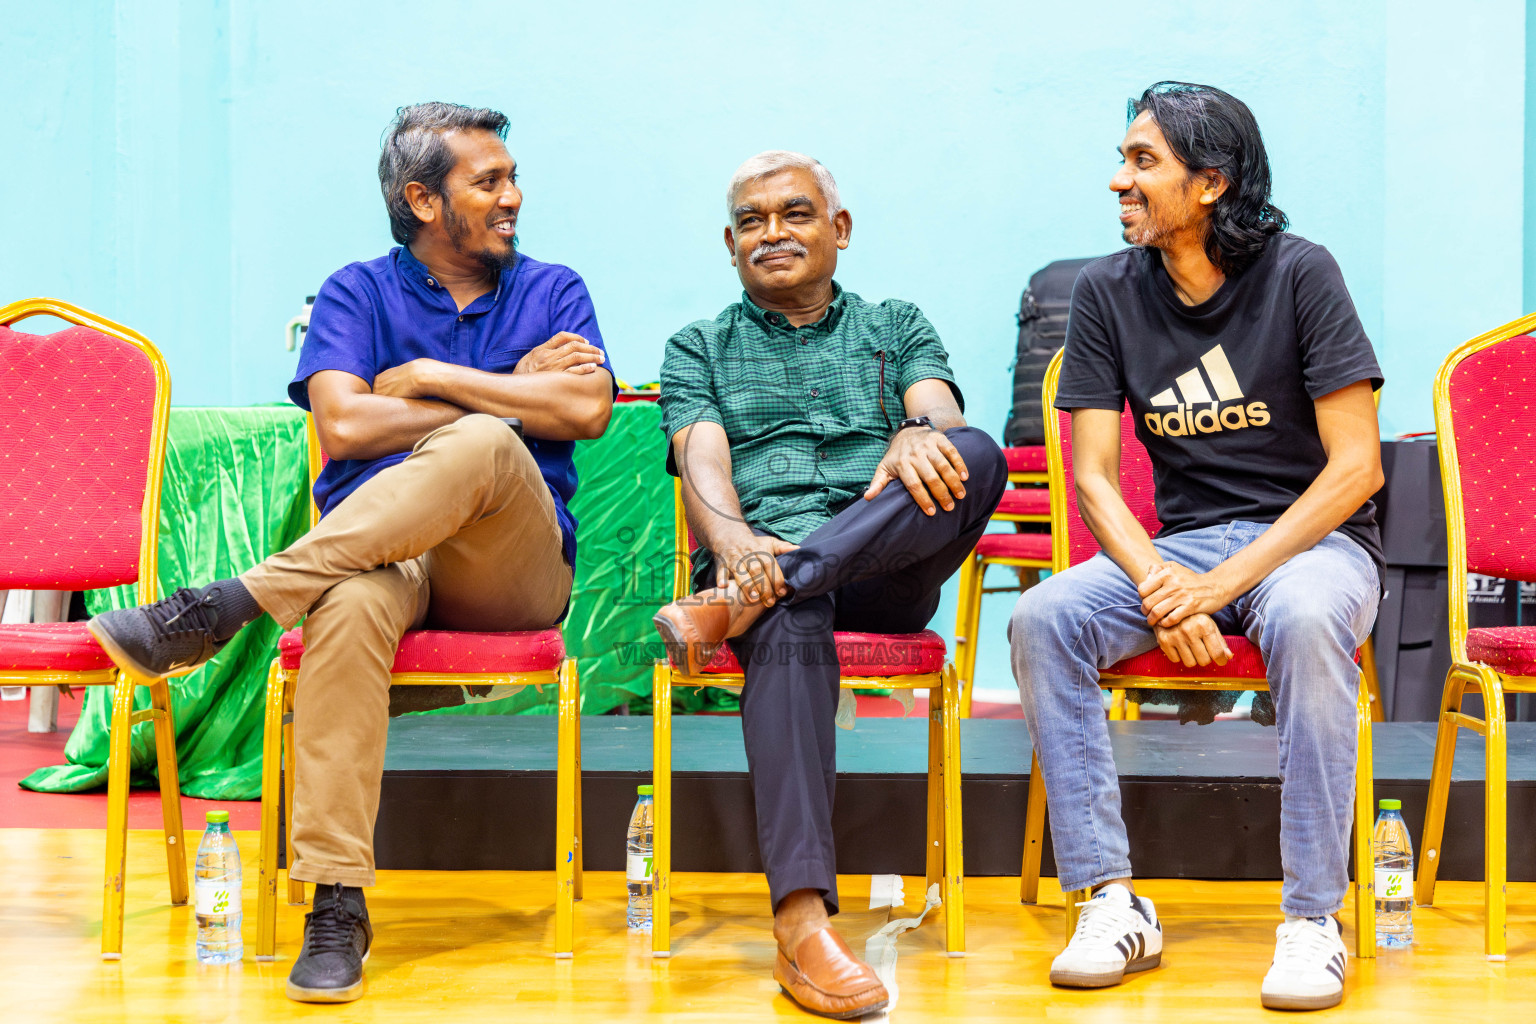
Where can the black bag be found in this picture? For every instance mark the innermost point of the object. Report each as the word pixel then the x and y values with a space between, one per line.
pixel 1042 329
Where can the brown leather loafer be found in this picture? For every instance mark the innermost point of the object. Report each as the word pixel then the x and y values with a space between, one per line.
pixel 693 627
pixel 826 978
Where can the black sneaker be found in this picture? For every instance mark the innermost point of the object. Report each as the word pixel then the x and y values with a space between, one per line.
pixel 177 634
pixel 336 940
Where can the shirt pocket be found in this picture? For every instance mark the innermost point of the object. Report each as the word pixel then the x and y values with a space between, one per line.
pixel 757 395
pixel 869 389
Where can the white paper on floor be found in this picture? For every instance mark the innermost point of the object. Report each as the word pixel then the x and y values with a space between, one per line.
pixel 885 891
pixel 880 949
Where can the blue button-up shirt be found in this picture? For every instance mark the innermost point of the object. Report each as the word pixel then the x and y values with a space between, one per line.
pixel 371 316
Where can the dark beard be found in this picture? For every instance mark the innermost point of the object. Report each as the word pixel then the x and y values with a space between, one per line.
pixel 458 231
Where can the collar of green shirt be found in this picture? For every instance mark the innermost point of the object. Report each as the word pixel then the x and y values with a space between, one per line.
pixel 769 320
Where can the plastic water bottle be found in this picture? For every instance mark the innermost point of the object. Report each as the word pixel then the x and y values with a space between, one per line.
pixel 216 891
pixel 640 862
pixel 1393 854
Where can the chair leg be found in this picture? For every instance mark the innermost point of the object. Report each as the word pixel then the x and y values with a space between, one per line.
pixel 1372 684
pixel 933 854
pixel 1365 869
pixel 661 782
pixel 967 617
pixel 565 814
pixel 290 786
pixel 271 797
pixel 1117 705
pixel 1132 711
pixel 120 753
pixel 954 834
pixel 170 790
pixel 576 682
pixel 1495 795
pixel 1034 834
pixel 1430 848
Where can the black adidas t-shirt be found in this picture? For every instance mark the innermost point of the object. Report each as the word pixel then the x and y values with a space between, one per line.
pixel 1222 392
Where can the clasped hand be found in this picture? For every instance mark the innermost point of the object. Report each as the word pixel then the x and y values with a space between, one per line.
pixel 928 465
pixel 752 562
pixel 1178 604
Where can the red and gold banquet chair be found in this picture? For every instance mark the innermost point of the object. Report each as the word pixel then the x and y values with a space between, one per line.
pixel 1485 421
pixel 1073 543
pixel 906 661
pixel 86 411
pixel 429 657
pixel 1030 552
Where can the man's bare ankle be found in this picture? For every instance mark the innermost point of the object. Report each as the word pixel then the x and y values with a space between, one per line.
pixel 799 915
pixel 1130 885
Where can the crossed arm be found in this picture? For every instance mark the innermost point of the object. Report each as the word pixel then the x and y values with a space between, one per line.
pixel 922 460
pixel 1179 603
pixel 559 390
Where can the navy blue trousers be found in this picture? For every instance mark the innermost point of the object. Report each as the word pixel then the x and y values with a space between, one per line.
pixel 876 567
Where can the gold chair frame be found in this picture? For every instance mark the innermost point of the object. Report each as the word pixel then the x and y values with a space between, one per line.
pixel 1364 885
pixel 124 717
pixel 277 741
pixel 944 862
pixel 972 589
pixel 1467 676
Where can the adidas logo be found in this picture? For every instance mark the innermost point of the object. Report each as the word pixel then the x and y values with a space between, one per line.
pixel 1195 411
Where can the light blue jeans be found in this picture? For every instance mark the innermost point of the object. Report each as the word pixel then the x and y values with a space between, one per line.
pixel 1308 617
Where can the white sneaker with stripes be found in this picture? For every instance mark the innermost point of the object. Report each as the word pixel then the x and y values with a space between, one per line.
pixel 1308 971
pixel 1117 934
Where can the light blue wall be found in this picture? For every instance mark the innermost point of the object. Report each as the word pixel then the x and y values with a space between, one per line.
pixel 195 168
pixel 1530 156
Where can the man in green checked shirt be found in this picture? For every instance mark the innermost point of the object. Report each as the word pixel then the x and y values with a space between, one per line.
pixel 832 483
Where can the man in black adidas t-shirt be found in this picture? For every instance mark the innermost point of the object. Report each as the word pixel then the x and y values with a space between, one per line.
pixel 1240 354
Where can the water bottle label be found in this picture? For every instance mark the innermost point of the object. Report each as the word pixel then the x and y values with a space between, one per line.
pixel 1393 884
pixel 216 897
pixel 639 868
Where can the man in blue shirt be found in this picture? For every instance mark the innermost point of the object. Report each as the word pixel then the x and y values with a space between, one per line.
pixel 436 512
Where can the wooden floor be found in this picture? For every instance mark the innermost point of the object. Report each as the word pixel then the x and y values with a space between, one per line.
pixel 474 946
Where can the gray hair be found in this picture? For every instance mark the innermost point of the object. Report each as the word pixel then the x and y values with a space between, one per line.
pixel 414 150
pixel 771 162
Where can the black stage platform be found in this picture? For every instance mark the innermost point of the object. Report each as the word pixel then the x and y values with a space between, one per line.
pixel 1200 801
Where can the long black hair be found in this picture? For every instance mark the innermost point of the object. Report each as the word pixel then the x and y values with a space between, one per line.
pixel 1209 129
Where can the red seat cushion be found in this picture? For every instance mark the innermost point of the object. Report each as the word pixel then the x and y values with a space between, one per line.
pixel 50 646
pixel 1510 649
pixel 1030 459
pixel 446 651
pixel 1246 663
pixel 1015 545
pixel 867 654
pixel 1025 501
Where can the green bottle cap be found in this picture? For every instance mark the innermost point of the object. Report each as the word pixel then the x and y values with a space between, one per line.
pixel 218 817
pixel 645 790
pixel 1391 805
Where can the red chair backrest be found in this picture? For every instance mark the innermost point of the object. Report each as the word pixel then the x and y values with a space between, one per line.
pixel 78 409
pixel 1493 410
pixel 1135 487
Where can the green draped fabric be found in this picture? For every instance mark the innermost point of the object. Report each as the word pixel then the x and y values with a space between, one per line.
pixel 624 565
pixel 235 490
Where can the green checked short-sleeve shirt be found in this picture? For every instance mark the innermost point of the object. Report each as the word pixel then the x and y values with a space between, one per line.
pixel 808 411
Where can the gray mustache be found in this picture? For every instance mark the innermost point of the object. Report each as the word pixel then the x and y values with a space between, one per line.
pixel 766 249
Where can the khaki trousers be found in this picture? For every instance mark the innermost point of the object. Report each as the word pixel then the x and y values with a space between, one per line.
pixel 461 535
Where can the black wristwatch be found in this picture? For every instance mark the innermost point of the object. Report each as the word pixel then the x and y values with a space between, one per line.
pixel 913 421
